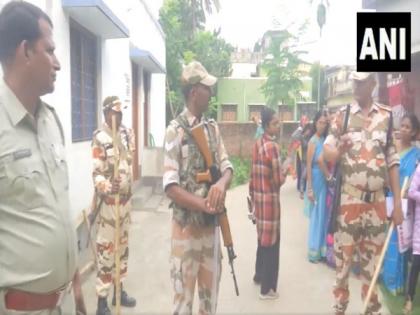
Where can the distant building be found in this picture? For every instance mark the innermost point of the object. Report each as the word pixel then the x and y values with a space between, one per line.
pixel 339 86
pixel 240 95
pixel 401 90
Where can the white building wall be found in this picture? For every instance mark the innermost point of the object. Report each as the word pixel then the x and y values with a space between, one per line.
pixel 157 121
pixel 116 74
pixel 114 78
pixel 148 36
pixel 141 117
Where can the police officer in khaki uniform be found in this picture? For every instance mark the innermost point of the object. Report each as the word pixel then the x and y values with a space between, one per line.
pixel 195 255
pixel 107 188
pixel 368 156
pixel 38 255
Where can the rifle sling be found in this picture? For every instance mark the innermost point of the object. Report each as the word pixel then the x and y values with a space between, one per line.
pixel 188 131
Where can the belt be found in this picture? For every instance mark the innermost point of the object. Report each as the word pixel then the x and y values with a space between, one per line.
pixel 27 301
pixel 366 196
pixel 111 200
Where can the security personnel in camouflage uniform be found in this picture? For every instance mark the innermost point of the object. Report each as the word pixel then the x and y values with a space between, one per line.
pixel 38 252
pixel 195 252
pixel 368 157
pixel 107 187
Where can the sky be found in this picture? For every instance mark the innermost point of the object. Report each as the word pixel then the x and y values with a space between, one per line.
pixel 243 22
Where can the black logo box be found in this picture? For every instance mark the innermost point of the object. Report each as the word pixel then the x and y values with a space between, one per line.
pixel 387 20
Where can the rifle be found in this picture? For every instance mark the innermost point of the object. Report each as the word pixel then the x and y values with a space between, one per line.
pixel 211 176
pixel 337 180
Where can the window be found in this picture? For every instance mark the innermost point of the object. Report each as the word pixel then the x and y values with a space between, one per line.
pixel 254 111
pixel 229 112
pixel 84 92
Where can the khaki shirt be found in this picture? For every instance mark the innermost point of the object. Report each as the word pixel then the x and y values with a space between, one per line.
pixel 37 235
pixel 366 164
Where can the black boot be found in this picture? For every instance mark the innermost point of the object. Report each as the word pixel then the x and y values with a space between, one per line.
pixel 103 308
pixel 126 300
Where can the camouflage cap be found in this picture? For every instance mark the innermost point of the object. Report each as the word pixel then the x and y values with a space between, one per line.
pixel 114 103
pixel 194 73
pixel 361 76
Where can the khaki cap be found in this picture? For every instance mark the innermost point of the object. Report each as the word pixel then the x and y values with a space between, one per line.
pixel 114 104
pixel 194 73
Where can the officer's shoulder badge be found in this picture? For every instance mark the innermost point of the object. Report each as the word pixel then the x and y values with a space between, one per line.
pixel 212 122
pixel 173 130
pixel 51 108
pixel 95 133
pixel 102 136
pixel 342 108
pixel 174 124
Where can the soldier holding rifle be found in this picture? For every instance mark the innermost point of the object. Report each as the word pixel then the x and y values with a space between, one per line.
pixel 195 253
pixel 368 156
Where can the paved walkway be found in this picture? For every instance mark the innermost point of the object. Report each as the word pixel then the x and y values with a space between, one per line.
pixel 304 288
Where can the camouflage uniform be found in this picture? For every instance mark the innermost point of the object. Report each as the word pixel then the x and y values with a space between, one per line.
pixel 103 170
pixel 193 233
pixel 362 218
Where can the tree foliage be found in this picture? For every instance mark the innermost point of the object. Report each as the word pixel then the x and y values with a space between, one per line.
pixel 281 66
pixel 186 40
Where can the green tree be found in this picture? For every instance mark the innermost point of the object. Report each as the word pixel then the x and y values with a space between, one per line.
pixel 183 45
pixel 281 66
pixel 212 51
pixel 199 8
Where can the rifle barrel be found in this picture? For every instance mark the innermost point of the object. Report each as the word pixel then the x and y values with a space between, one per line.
pixel 232 270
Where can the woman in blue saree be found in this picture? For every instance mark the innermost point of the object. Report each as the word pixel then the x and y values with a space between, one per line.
pixel 317 175
pixel 395 264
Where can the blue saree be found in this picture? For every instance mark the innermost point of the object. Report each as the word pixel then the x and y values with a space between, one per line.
pixel 318 213
pixel 394 270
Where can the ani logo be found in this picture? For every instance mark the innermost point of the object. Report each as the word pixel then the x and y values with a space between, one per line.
pixel 384 41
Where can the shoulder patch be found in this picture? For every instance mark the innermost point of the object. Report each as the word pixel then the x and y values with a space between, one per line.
pixel 172 131
pixel 213 123
pixel 102 136
pixel 174 125
pixel 343 108
pixel 51 108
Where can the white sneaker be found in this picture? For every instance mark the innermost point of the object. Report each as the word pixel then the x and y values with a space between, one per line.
pixel 271 295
